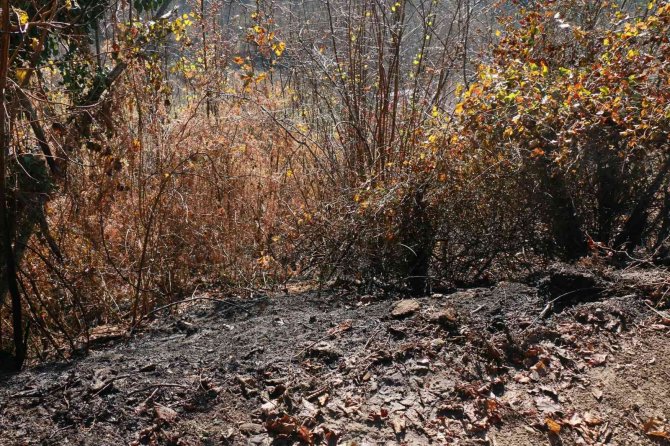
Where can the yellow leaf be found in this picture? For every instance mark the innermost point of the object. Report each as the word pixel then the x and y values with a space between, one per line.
pixel 22 15
pixel 22 74
pixel 459 108
pixel 545 68
pixel 279 48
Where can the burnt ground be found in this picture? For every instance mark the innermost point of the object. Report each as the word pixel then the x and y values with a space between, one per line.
pixel 478 366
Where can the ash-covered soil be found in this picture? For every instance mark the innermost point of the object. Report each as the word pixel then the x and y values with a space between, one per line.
pixel 493 366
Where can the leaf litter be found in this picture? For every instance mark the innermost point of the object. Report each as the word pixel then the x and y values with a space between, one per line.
pixel 461 368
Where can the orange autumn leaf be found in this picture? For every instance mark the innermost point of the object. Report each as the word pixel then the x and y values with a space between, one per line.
pixel 553 426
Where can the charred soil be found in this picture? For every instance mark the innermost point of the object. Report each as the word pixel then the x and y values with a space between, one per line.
pixel 510 364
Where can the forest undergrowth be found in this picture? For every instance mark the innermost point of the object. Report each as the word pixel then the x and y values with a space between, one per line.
pixel 152 149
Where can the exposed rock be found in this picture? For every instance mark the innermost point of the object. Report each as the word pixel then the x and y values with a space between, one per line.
pixel 447 317
pixel 260 439
pixel 405 308
pixel 326 350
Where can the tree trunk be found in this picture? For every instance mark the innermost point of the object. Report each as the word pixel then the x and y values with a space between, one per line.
pixel 565 224
pixel 609 192
pixel 421 242
pixel 631 235
pixel 5 222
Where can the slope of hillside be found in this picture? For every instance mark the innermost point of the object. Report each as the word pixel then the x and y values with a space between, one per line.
pixel 481 366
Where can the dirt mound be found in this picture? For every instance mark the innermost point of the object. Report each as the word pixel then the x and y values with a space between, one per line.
pixel 566 284
pixel 477 366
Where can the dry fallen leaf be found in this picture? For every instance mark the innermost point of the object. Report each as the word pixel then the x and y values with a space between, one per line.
pixel 331 436
pixel 309 410
pixel 164 413
pixel 605 434
pixel 471 412
pixel 659 435
pixel 651 424
pixel 376 417
pixel 597 394
pixel 398 424
pixel 534 352
pixel 341 328
pixel 591 419
pixel 549 391
pixel 283 426
pixel 269 408
pixel 306 435
pixel 541 367
pixel 575 420
pixel 521 378
pixel 656 429
pixel 553 426
pixel 546 405
pixel 598 360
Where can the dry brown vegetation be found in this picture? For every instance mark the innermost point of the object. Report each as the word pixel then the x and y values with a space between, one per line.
pixel 150 151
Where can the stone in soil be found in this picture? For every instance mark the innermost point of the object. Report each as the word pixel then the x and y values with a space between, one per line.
pixel 405 308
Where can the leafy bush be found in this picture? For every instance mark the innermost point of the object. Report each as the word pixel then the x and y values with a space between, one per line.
pixel 559 146
pixel 564 134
